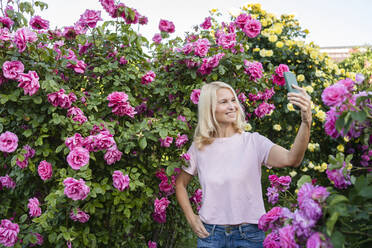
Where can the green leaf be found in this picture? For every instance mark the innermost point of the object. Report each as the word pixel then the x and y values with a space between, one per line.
pixel 359 116
pixel 366 192
pixel 23 218
pixel 304 179
pixel 27 133
pixel 331 222
pixel 339 123
pixel 142 143
pixel 338 239
pixel 337 199
pixel 37 100
pixel 163 133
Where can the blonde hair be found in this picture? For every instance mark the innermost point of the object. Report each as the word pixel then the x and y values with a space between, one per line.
pixel 208 128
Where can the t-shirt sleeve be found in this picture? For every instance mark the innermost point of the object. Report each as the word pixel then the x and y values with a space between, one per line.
pixel 191 164
pixel 263 146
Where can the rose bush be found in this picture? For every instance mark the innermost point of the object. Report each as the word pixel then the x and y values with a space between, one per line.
pixel 109 125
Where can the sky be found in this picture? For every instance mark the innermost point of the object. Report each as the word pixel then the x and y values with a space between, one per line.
pixel 330 22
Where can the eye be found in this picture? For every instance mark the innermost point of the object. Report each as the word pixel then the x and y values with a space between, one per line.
pixel 233 100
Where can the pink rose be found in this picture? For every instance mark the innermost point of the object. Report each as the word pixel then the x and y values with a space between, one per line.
pixel 33 206
pixel 267 220
pixel 161 205
pixel 152 244
pixel 227 41
pixel 207 23
pixel 74 111
pixel 29 82
pixel 22 164
pixel 335 95
pixel 252 28
pixel 7 182
pixel 78 157
pixel 181 140
pixel 8 233
pixel 185 156
pixel 8 142
pixel 6 21
pixel 5 35
pixel 22 37
pixel 195 96
pixel 287 237
pixel 280 69
pixel 104 140
pixel 11 69
pixel 148 77
pixel 45 170
pixel 201 47
pixel 76 189
pixel 79 215
pixel 166 26
pixel 90 18
pixel 112 155
pixel 74 141
pixel 120 181
pixel 253 69
pixel 38 23
pixel 157 38
pixel 166 142
pixel 242 19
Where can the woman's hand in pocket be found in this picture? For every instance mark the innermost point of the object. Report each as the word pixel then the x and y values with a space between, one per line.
pixel 198 227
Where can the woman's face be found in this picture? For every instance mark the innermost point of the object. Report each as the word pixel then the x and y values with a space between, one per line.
pixel 226 107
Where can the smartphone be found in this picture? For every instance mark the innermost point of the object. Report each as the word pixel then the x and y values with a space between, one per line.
pixel 290 79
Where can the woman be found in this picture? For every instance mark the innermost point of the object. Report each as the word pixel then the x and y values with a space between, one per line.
pixel 228 163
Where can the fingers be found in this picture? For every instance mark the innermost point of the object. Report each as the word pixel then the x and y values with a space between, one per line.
pixel 199 228
pixel 300 101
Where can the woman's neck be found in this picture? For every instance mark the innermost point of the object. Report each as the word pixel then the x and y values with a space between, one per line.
pixel 226 131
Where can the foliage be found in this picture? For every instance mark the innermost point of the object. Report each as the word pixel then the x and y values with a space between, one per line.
pixel 116 62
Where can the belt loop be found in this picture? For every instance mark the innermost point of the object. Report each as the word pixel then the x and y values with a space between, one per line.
pixel 212 233
pixel 240 229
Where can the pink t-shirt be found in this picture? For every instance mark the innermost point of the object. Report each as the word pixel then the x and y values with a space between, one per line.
pixel 229 172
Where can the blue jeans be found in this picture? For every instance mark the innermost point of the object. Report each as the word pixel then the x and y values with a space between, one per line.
pixel 237 236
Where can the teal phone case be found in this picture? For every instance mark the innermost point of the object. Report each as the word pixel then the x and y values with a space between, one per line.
pixel 290 79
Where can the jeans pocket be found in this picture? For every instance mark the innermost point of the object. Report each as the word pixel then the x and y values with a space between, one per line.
pixel 252 234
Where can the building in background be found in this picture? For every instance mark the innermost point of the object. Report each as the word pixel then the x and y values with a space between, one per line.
pixel 342 52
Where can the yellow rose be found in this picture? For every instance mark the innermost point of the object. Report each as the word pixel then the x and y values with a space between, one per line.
pixel 347 138
pixel 313 54
pixel 213 10
pixel 349 166
pixel 277 127
pixel 317 167
pixel 263 53
pixel 340 148
pixel 293 173
pixel 290 107
pixel 257 49
pixel 264 23
pixel 269 53
pixel 326 84
pixel 321 115
pixel 273 38
pixel 304 169
pixel 289 128
pixel 309 89
pixel 306 31
pixel 311 147
pixel 324 166
pixel 248 127
pixel 279 44
pixel 311 165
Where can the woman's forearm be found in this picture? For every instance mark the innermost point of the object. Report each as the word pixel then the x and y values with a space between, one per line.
pixel 184 202
pixel 297 152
